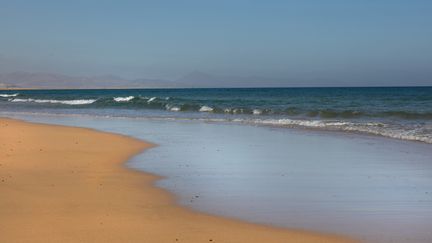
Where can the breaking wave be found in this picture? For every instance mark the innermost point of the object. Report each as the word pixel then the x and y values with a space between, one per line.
pixel 420 133
pixel 8 95
pixel 151 99
pixel 403 113
pixel 178 104
pixel 413 132
pixel 65 102
pixel 233 107
pixel 123 99
pixel 205 108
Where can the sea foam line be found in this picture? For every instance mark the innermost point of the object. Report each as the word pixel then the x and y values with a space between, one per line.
pixel 123 99
pixel 65 102
pixel 418 134
pixel 8 95
pixel 372 128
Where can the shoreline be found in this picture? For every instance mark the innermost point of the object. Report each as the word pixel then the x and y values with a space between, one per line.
pixel 298 128
pixel 102 199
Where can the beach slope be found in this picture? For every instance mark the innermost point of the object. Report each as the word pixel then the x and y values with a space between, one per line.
pixel 64 184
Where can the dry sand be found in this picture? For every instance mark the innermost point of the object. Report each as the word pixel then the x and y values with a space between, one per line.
pixel 64 184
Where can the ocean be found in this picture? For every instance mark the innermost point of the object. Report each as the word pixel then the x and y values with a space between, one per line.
pixel 397 112
pixel 351 161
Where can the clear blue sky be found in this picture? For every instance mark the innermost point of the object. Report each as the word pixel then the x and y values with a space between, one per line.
pixel 352 42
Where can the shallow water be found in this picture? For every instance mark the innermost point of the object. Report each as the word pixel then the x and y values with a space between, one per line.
pixel 373 188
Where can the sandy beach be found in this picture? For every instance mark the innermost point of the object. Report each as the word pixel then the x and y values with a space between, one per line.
pixel 64 184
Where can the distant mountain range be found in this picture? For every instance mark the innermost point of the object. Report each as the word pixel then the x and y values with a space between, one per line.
pixel 60 81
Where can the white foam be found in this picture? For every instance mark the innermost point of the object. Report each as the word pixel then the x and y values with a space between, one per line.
pixel 421 133
pixel 151 99
pixel 235 111
pixel 172 108
pixel 8 95
pixel 205 108
pixel 65 102
pixel 257 112
pixel 374 128
pixel 123 99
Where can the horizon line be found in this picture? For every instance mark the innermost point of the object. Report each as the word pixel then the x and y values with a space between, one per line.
pixel 257 87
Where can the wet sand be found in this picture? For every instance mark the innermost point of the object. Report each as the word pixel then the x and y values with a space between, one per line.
pixel 65 184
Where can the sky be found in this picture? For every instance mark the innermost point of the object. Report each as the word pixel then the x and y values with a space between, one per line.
pixel 312 42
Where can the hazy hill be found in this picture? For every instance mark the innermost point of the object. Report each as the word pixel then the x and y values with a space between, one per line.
pixel 192 80
pixel 60 81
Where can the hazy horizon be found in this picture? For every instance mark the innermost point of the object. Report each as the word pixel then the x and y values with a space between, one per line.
pixel 218 44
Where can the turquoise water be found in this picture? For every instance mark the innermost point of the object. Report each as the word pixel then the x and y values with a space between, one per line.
pixel 400 113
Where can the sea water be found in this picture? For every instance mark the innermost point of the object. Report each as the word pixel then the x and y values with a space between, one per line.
pixel 375 188
pixel 398 112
